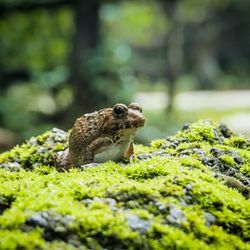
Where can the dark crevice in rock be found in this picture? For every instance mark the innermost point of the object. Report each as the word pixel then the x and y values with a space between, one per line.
pixel 5 202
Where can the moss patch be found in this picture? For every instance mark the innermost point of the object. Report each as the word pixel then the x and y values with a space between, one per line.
pixel 188 191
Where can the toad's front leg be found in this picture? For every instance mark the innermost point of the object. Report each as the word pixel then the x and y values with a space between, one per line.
pixel 97 146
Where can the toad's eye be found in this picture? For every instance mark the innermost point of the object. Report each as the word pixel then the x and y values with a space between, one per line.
pixel 135 106
pixel 119 110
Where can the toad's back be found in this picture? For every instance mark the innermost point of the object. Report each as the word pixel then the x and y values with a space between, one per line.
pixel 86 129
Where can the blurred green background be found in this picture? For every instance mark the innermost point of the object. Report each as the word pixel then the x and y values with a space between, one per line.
pixel 182 60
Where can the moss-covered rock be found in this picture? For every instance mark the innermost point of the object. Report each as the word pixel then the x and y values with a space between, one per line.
pixel 188 191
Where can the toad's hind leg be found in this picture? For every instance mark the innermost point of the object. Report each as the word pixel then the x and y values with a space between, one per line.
pixel 62 160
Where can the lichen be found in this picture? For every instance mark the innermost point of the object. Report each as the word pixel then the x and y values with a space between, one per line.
pixel 188 191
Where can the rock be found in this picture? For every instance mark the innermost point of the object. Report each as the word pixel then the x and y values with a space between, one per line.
pixel 144 156
pixel 216 152
pixel 185 126
pixel 189 191
pixel 138 224
pixel 210 219
pixel 54 225
pixel 37 151
pixel 176 216
pixel 111 202
pixel 226 132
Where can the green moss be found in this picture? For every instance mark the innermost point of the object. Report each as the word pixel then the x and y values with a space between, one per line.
pixel 190 161
pixel 173 195
pixel 16 239
pixel 156 144
pixel 245 169
pixel 37 151
pixel 227 159
pixel 238 142
pixel 200 131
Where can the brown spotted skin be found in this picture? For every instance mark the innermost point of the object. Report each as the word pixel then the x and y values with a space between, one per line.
pixel 103 135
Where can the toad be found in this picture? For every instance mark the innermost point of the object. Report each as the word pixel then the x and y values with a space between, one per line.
pixel 103 135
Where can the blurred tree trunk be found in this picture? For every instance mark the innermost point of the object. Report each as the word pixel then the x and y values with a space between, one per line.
pixel 174 47
pixel 205 56
pixel 85 41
